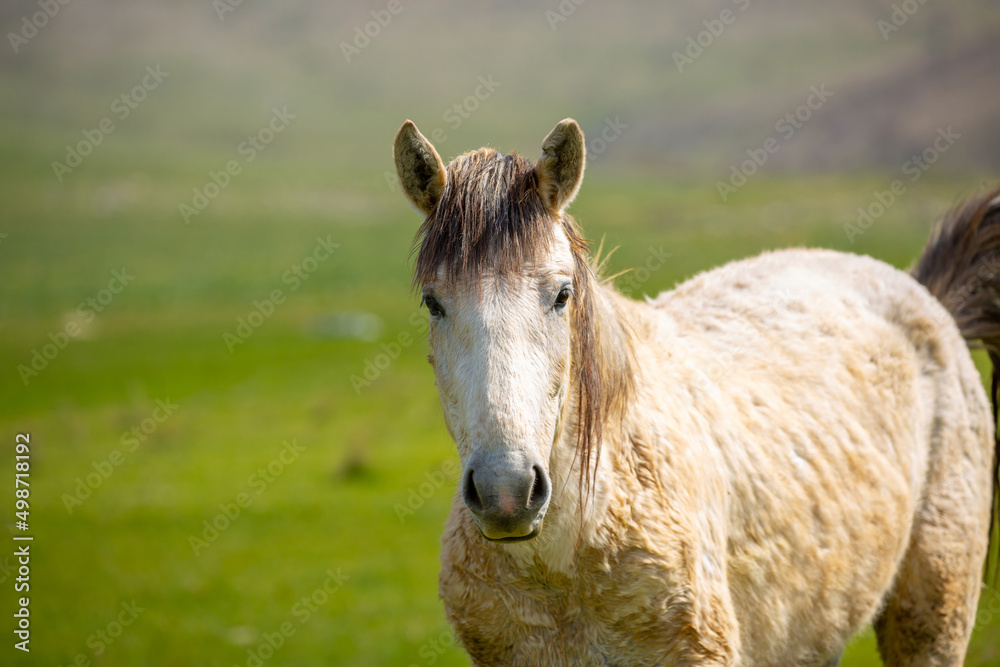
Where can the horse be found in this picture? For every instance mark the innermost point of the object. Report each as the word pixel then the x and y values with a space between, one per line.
pixel 744 470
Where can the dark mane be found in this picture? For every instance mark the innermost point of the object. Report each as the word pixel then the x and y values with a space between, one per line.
pixel 491 219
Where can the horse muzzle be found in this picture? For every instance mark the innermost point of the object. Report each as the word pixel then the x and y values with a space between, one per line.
pixel 507 493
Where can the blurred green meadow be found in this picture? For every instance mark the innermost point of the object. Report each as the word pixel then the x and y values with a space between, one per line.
pixel 237 451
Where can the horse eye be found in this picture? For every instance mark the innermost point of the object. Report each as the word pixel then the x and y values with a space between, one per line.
pixel 433 307
pixel 563 298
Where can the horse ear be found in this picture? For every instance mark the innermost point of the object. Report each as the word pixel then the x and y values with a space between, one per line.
pixel 560 168
pixel 419 167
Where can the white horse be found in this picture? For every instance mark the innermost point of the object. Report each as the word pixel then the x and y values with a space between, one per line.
pixel 742 471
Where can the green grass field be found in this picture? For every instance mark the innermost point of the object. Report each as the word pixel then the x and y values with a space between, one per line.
pixel 329 513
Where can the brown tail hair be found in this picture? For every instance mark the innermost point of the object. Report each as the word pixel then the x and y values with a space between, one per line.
pixel 961 267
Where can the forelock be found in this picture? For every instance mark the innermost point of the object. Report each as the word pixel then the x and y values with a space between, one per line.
pixel 491 218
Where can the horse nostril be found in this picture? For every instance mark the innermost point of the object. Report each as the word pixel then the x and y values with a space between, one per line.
pixel 539 488
pixel 470 494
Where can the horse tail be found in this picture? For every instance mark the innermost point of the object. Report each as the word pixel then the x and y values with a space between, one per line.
pixel 960 265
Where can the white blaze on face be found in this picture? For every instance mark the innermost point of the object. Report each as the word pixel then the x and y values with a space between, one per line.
pixel 501 357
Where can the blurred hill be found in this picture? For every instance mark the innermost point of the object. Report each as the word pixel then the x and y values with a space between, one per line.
pixel 231 63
